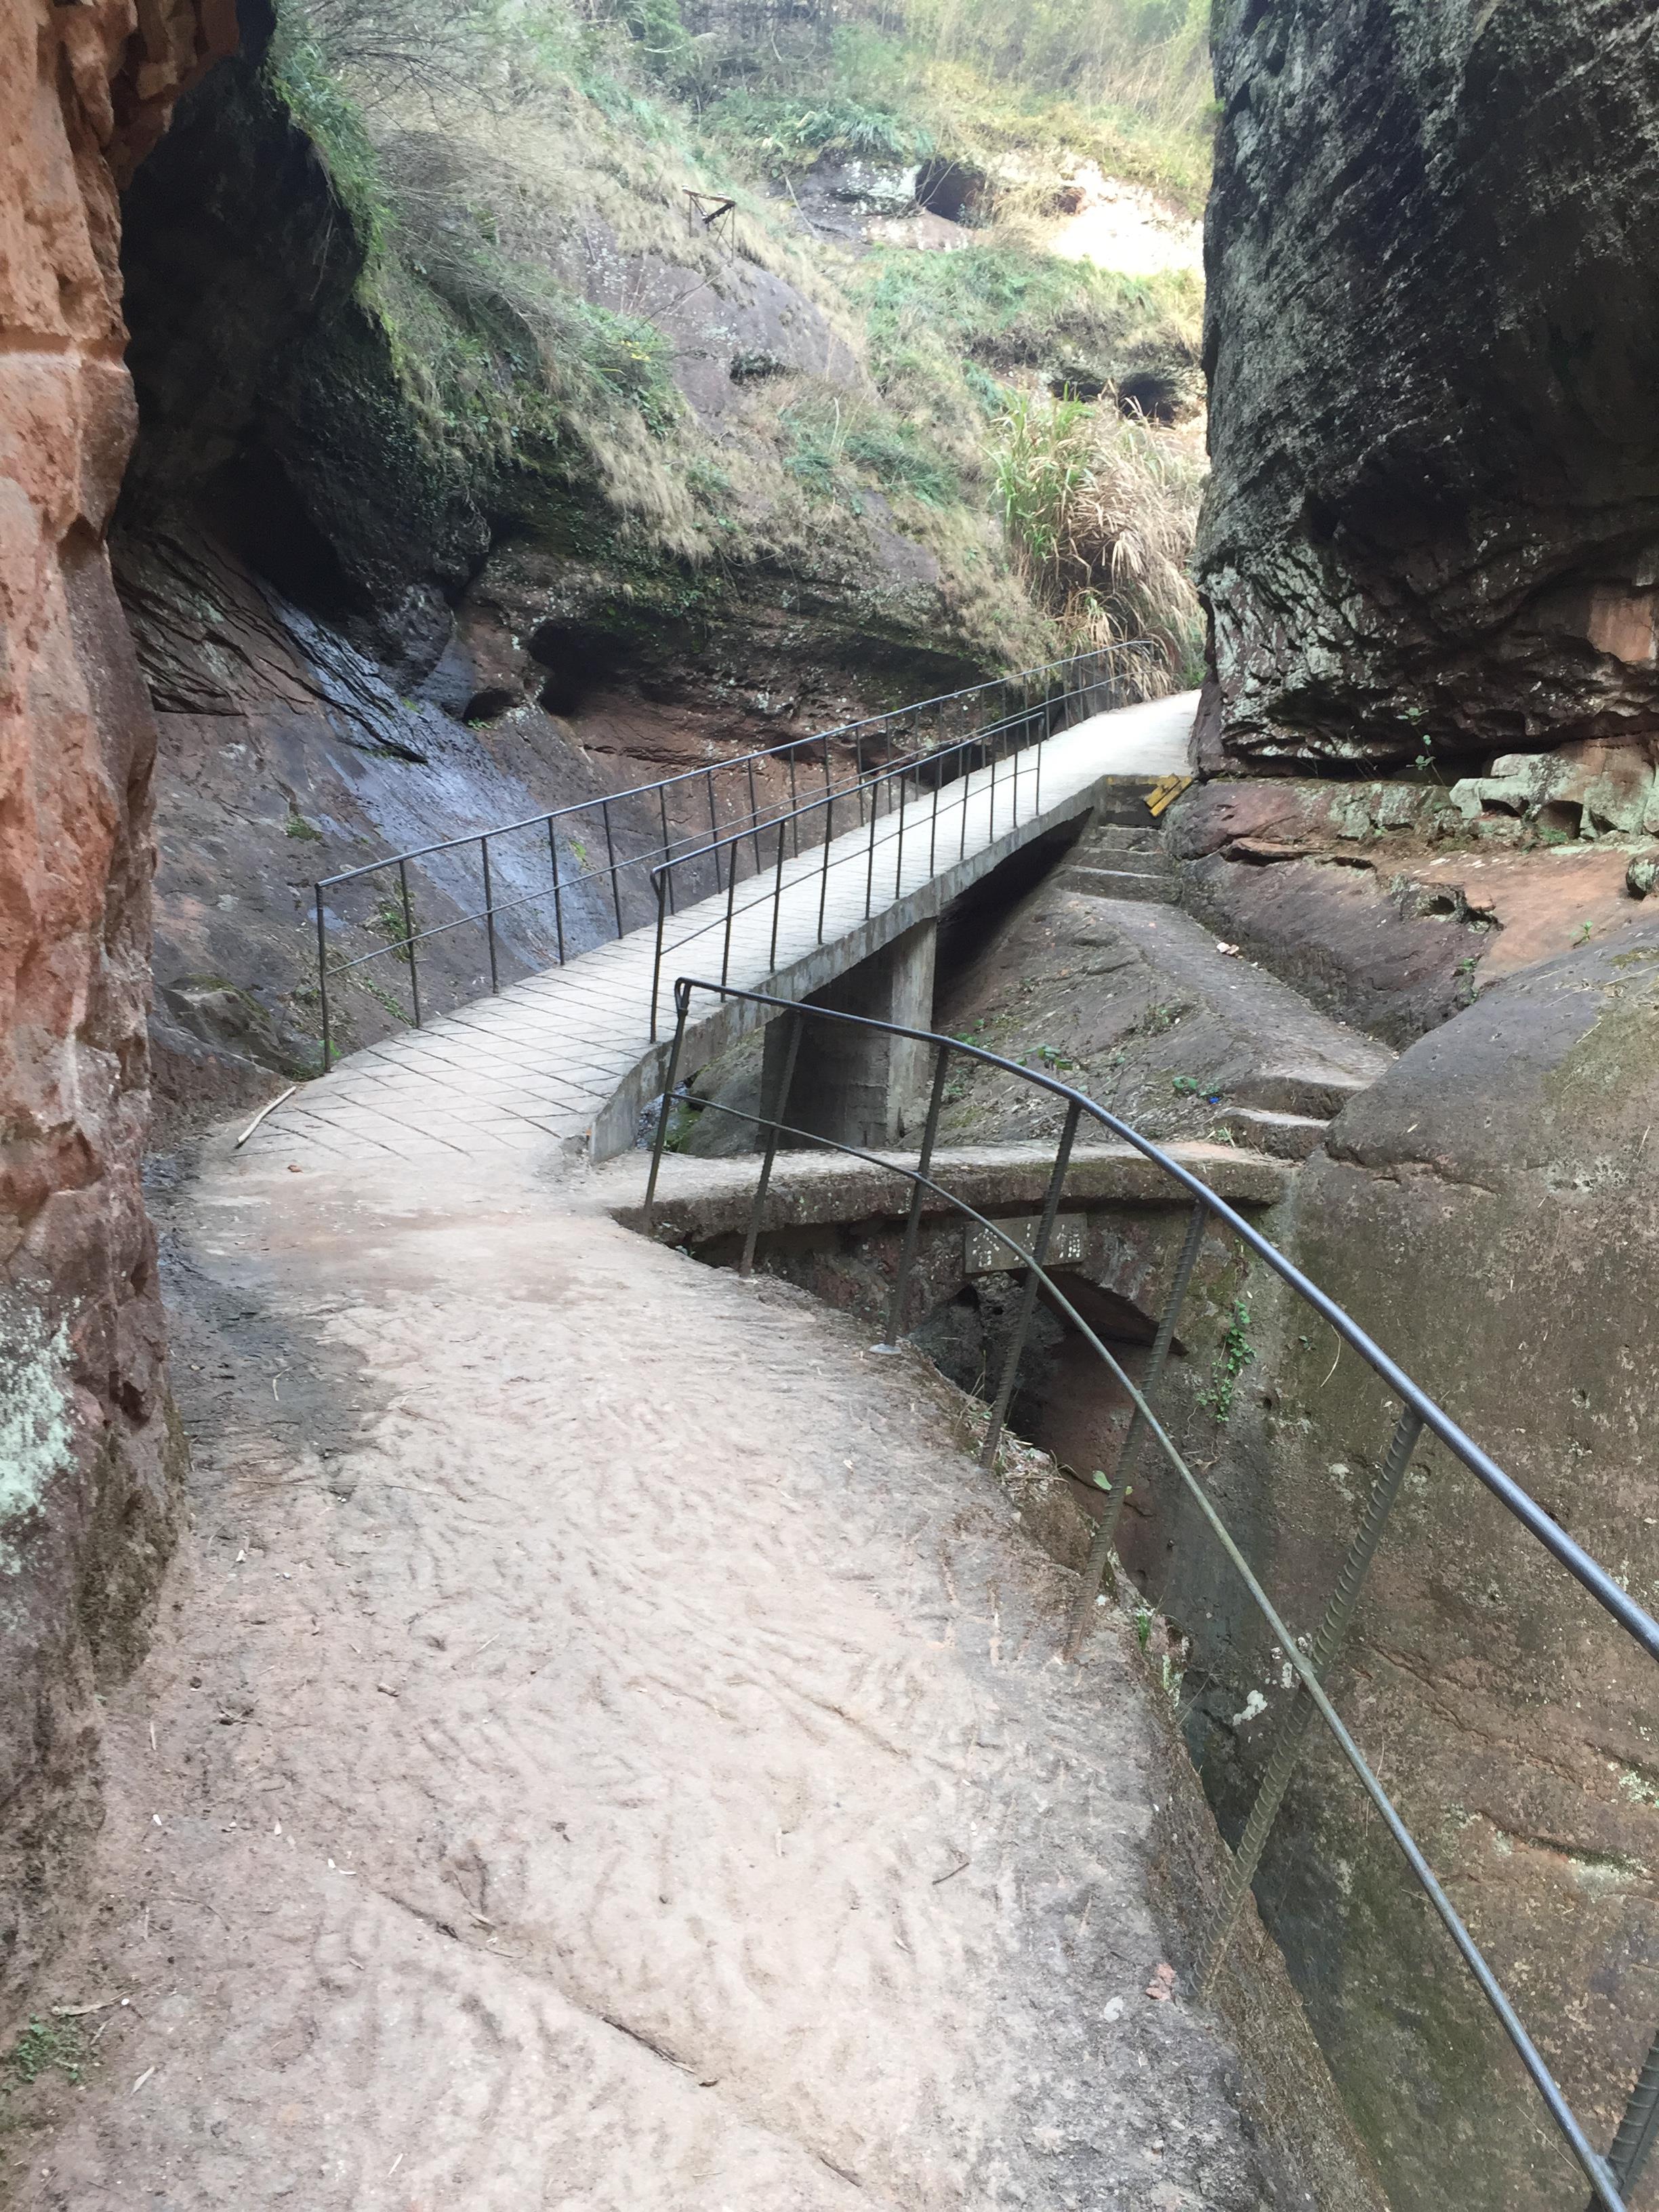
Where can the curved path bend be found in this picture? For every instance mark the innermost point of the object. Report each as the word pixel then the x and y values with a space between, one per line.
pixel 567 1054
pixel 605 1752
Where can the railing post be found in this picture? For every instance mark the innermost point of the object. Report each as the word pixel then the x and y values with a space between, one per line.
pixel 1638 2130
pixel 870 866
pixel 610 862
pixel 1100 1551
pixel 731 903
pixel 754 813
pixel 795 802
pixel 660 883
pixel 322 979
pixel 682 1002
pixel 912 1219
pixel 489 915
pixel 777 904
pixel 1339 1618
pixel 780 1107
pixel 713 823
pixel 1027 1302
pixel 408 940
pixel 898 861
pixel 662 816
pixel 558 895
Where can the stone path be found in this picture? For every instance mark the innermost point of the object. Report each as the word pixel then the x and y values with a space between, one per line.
pixel 605 1748
pixel 605 1752
pixel 543 1060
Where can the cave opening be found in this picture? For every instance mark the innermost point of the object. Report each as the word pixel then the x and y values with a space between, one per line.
pixel 953 190
pixel 1152 394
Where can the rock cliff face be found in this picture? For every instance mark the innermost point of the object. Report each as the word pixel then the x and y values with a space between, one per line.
pixel 364 624
pixel 87 1455
pixel 1432 340
pixel 1488 1211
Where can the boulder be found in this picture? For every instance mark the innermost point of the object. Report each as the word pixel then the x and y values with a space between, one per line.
pixel 1488 1209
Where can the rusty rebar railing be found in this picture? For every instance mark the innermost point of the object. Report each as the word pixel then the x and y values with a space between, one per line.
pixel 1611 2178
pixel 855 758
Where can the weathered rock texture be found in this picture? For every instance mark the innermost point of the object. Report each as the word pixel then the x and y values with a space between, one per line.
pixel 1394 904
pixel 1433 337
pixel 87 1460
pixel 1488 1211
pixel 365 627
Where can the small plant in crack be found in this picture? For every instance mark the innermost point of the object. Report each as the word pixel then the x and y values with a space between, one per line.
pixel 1233 1355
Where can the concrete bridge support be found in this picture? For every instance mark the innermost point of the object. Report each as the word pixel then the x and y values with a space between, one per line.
pixel 856 1087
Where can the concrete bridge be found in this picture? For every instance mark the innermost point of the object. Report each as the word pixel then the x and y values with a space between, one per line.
pixel 569 1054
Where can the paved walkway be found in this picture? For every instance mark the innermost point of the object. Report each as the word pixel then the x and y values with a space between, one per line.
pixel 603 1752
pixel 544 1059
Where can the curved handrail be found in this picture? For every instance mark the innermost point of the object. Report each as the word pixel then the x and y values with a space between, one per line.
pixel 1610 2179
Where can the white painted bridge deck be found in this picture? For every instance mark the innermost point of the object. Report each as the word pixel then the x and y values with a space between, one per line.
pixel 567 1055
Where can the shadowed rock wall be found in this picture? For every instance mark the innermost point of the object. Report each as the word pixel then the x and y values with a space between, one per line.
pixel 1489 1211
pixel 87 1449
pixel 1433 341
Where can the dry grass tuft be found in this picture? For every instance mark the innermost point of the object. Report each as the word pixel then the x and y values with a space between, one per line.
pixel 1101 510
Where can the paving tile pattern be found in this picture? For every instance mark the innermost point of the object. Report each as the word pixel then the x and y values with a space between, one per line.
pixel 534 1065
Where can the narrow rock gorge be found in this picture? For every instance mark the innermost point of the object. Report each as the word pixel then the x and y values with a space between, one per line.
pixel 413 420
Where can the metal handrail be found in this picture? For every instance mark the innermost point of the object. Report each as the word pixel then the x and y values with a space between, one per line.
pixel 1032 724
pixel 1079 673
pixel 876 786
pixel 1612 2177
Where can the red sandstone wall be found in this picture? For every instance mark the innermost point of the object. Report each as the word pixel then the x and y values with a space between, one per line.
pixel 87 1469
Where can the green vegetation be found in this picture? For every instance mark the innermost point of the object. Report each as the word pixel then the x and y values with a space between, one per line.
pixel 784 132
pixel 1233 1355
pixel 831 441
pixel 1012 305
pixel 1102 514
pixel 533 281
pixel 1124 83
pixel 45 2046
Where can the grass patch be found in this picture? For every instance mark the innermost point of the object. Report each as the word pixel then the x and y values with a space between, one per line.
pixel 782 131
pixel 833 443
pixel 1102 512
pixel 45 2046
pixel 1007 305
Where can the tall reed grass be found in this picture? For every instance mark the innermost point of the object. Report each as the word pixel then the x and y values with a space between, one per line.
pixel 1101 510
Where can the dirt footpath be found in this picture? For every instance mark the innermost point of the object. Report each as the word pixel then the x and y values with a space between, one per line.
pixel 603 1749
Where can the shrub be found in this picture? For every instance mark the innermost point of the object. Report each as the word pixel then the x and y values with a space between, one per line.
pixel 1101 512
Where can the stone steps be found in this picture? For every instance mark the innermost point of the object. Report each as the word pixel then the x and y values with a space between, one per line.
pixel 1281 1136
pixel 1116 860
pixel 1142 884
